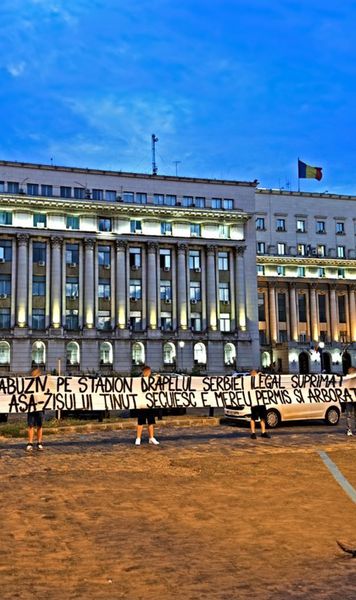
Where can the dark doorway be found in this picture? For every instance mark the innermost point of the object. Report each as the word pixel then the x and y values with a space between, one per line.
pixel 346 362
pixel 326 367
pixel 303 363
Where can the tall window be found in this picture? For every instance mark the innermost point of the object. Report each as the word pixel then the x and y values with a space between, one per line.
pixel 72 288
pixel 39 220
pixel 4 318
pixel 72 320
pixel 165 259
pixel 195 321
pixel 187 201
pixel 39 285
pixel 200 202
pixel 302 308
pixel 5 285
pixel 224 231
pixel 129 197
pixel 166 228
pixel 340 228
pixel 342 309
pixel 104 224
pixel 321 250
pixel 194 260
pixel 158 199
pixel 200 353
pixel 38 318
pixel 138 353
pixel 229 354
pixel 195 229
pixel 135 258
pixel 216 203
pixel 261 248
pixel 282 311
pixel 341 252
pixel 224 292
pixel 65 192
pixel 281 248
pixel 5 217
pixel 106 353
pixel 260 224
pixel 104 256
pixel 32 189
pixel 140 198
pixel 110 195
pixel 136 226
pixel 261 307
pixel 301 226
pixel 166 291
pixel 322 308
pixel 98 194
pixel 228 204
pixel 300 271
pixel 135 289
pixel 104 289
pixel 104 320
pixel 301 249
pixel 73 354
pixel 225 324
pixel 169 353
pixel 320 227
pixel 5 355
pixel 195 291
pixel 72 254
pixel 72 222
pixel 38 354
pixel 166 321
pixel 223 261
pixel 39 253
pixel 5 251
pixel 280 224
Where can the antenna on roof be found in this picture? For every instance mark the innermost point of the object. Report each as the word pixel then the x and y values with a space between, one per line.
pixel 176 163
pixel 154 166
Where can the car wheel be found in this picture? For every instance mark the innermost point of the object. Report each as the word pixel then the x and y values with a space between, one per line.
pixel 273 418
pixel 332 416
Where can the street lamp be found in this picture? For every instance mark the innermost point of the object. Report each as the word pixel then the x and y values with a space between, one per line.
pixel 181 345
pixel 321 347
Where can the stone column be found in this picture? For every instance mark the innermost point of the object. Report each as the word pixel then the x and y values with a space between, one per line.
pixel 22 280
pixel 272 315
pixel 313 314
pixel 333 315
pixel 56 279
pixel 352 305
pixel 89 320
pixel 182 287
pixel 293 312
pixel 211 288
pixel 240 288
pixel 152 284
pixel 121 284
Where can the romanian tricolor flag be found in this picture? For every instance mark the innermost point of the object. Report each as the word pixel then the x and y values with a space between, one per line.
pixel 307 172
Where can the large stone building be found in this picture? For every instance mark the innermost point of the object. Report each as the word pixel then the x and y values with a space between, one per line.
pixel 103 271
pixel 306 280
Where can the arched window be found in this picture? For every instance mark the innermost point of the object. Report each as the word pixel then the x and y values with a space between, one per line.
pixel 265 360
pixel 5 353
pixel 106 353
pixel 229 354
pixel 73 353
pixel 38 355
pixel 169 353
pixel 138 353
pixel 200 354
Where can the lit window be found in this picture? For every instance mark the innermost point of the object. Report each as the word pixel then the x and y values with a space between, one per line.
pixel 261 248
pixel 260 269
pixel 301 226
pixel 225 322
pixel 341 252
pixel 281 270
pixel 223 261
pixel 281 249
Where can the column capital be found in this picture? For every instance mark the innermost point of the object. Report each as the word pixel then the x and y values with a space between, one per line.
pixel 56 241
pixel 121 245
pixel 240 250
pixel 352 288
pixel 22 239
pixel 211 249
pixel 182 248
pixel 89 243
pixel 313 286
pixel 333 287
pixel 152 247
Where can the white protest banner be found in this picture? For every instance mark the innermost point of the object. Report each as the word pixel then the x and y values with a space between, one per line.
pixel 27 394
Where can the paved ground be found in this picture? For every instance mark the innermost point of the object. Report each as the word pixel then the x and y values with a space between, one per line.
pixel 209 514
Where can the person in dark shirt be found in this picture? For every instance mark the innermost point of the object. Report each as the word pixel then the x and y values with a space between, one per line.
pixel 258 412
pixel 35 419
pixel 146 415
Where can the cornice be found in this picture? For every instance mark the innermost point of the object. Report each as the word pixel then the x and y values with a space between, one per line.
pixel 18 202
pixel 302 261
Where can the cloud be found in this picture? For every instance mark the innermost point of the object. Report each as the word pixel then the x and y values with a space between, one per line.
pixel 16 69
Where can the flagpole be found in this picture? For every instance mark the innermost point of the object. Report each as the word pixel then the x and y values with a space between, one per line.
pixel 298 177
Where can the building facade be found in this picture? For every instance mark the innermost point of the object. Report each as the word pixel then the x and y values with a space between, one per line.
pixel 306 269
pixel 103 271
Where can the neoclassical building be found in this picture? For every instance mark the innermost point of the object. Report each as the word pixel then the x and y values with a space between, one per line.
pixel 306 269
pixel 104 271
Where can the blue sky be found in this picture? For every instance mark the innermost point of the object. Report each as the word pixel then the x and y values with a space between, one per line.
pixel 234 89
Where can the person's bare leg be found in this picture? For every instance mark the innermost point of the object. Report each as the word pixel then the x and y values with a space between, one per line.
pixel 151 431
pixel 31 433
pixel 139 431
pixel 263 426
pixel 253 426
pixel 39 435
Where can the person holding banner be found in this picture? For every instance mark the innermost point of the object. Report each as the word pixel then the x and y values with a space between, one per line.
pixel 258 412
pixel 350 407
pixel 146 415
pixel 35 419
